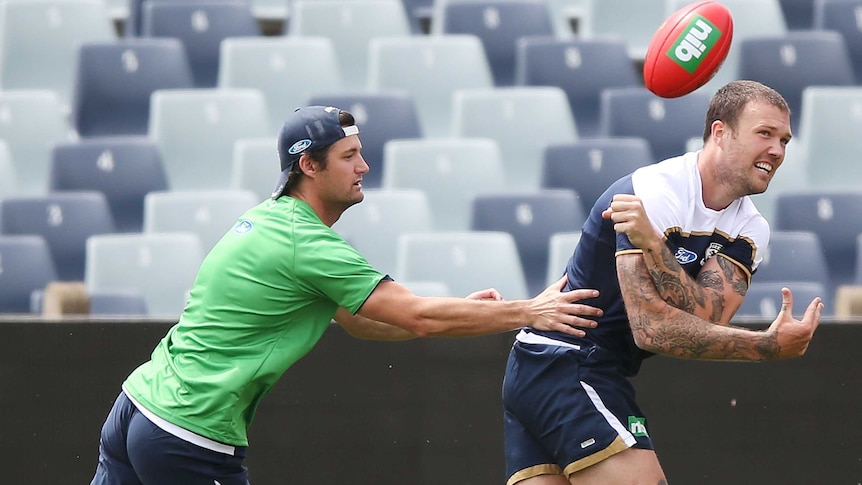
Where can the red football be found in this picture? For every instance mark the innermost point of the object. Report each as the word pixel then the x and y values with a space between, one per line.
pixel 688 48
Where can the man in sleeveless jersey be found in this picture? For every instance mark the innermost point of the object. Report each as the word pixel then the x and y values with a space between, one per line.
pixel 671 249
pixel 262 299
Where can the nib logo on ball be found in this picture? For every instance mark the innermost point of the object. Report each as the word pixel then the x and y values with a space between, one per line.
pixel 694 43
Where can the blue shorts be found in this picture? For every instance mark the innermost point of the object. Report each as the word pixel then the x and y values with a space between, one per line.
pixel 566 407
pixel 134 451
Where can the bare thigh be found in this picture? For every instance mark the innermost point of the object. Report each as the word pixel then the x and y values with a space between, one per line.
pixel 633 466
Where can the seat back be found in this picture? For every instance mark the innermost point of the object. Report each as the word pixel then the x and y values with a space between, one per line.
pixel 842 16
pixel 118 303
pixel 793 256
pixel 430 69
pixel 667 124
pixel 161 267
pixel 31 122
pixel 350 24
pixel 39 41
pixel 25 266
pixel 255 166
pixel 373 226
pixel 208 214
pixel 196 130
pixel 795 61
pixel 124 169
pixel 590 166
pixel 115 80
pixel 380 117
pixel 764 300
pixel 65 220
pixel 829 128
pixel 450 171
pixel 561 246
pixel 8 176
pixel 287 70
pixel 522 120
pixel 531 218
pixel 633 22
pixel 201 27
pixel 499 24
pixel 583 68
pixel 464 261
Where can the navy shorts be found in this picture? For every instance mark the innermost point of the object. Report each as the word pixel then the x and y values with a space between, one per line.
pixel 566 408
pixel 133 450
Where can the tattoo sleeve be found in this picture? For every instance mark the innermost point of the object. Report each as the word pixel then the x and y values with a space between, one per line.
pixel 659 327
pixel 705 296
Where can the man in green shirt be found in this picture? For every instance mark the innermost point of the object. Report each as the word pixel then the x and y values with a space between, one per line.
pixel 262 299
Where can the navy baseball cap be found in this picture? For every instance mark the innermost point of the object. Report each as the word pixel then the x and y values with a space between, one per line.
pixel 307 129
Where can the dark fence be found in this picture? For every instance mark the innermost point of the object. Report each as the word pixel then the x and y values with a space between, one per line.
pixel 428 411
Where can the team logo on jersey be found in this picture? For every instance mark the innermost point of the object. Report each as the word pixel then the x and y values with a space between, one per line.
pixel 684 256
pixel 711 251
pixel 243 226
pixel 637 426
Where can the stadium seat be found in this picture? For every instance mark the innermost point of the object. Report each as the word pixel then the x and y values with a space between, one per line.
pixel 161 267
pixel 451 171
pixel 200 26
pixel 499 24
pixel 430 68
pixel 255 166
pixel 115 80
pixel 373 227
pixel 667 124
pixel 589 166
pixel 751 18
pixel 25 266
pixel 419 14
pixel 829 128
pixel 133 26
pixel 65 220
pixel 464 261
pixel 582 68
pixel 118 303
pixel 196 130
pixel 272 66
pixel 39 41
pixel 380 117
pixel 795 61
pixel 798 14
pixel 209 214
pixel 569 17
pixel 632 21
pixel 764 300
pixel 8 177
pixel 30 123
pixel 845 17
pixel 124 169
pixel 523 120
pixel 561 246
pixel 351 24
pixel 836 219
pixel 531 218
pixel 793 256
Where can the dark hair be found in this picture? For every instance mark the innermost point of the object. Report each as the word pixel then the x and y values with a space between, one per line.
pixel 728 102
pixel 319 156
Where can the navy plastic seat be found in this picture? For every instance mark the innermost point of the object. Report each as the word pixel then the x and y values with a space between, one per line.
pixel 583 68
pixel 667 124
pixel 531 218
pixel 499 24
pixel 25 266
pixel 200 26
pixel 115 80
pixel 844 17
pixel 124 169
pixel 380 117
pixel 65 220
pixel 589 166
pixel 764 299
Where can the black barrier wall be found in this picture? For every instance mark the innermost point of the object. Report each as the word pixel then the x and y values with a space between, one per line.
pixel 428 411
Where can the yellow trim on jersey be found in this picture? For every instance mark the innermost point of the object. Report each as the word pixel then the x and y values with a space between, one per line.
pixel 616 446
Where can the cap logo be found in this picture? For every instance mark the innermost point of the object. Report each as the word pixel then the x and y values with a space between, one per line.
pixel 299 146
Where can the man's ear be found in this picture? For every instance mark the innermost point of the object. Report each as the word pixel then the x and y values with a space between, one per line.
pixel 307 165
pixel 718 130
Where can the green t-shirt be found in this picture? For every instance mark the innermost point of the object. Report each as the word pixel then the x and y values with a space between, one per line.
pixel 262 299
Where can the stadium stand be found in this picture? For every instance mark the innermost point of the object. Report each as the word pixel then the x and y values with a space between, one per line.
pixel 561 246
pixel 844 17
pixel 255 166
pixel 27 267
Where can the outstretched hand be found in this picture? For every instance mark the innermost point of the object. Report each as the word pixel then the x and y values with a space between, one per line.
pixel 793 336
pixel 558 311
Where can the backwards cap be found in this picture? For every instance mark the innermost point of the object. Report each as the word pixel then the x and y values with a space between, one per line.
pixel 307 129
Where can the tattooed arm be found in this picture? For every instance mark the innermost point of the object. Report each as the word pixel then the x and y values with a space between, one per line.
pixel 720 286
pixel 661 328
